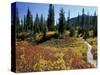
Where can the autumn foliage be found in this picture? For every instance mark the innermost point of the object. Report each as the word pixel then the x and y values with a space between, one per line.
pixel 51 55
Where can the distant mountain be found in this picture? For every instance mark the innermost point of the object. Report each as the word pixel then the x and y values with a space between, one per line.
pixel 75 19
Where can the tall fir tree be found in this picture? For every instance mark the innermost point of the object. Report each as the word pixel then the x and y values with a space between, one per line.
pixel 17 22
pixel 36 24
pixel 91 25
pixel 51 18
pixel 61 25
pixel 83 23
pixel 82 20
pixel 31 23
pixel 95 24
pixel 29 20
pixel 25 26
pixel 88 21
pixel 41 23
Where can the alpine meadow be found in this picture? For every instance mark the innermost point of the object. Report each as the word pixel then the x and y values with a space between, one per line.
pixel 52 37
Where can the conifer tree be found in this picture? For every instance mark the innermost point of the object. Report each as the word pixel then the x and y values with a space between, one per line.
pixel 17 22
pixel 36 24
pixel 61 25
pixel 50 19
pixel 29 20
pixel 95 24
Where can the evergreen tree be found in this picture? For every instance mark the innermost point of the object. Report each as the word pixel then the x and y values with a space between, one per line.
pixel 17 22
pixel 95 24
pixel 87 25
pixel 50 19
pixel 31 23
pixel 41 23
pixel 88 20
pixel 72 32
pixel 29 20
pixel 61 24
pixel 91 25
pixel 25 26
pixel 83 22
pixel 36 24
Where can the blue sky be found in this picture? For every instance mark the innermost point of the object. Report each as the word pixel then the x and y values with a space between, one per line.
pixel 41 8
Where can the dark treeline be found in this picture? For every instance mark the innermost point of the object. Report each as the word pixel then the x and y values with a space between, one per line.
pixel 82 24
